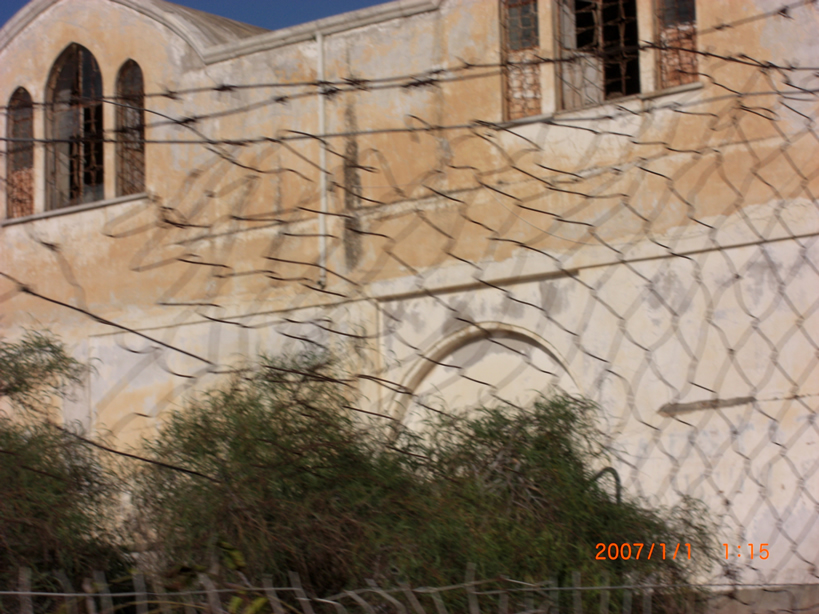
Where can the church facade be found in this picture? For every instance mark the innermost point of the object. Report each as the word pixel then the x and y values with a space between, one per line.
pixel 466 201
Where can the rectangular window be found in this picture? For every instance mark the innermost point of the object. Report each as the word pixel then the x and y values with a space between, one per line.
pixel 521 64
pixel 678 42
pixel 599 51
pixel 521 24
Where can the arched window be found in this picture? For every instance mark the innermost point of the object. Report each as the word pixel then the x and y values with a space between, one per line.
pixel 74 121
pixel 130 130
pixel 20 159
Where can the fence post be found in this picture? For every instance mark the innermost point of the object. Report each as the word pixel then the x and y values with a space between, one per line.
pixel 410 595
pixel 472 596
pixel 604 593
pixel 555 595
pixel 141 594
pixel 398 605
pixel 577 593
pixel 300 594
pixel 272 597
pixel 626 601
pixel 360 601
pixel 70 602
pixel 24 586
pixel 339 608
pixel 88 589
pixel 161 595
pixel 503 603
pixel 213 597
pixel 101 587
pixel 440 607
pixel 647 592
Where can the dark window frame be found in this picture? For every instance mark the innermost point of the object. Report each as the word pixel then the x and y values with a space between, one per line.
pixel 75 172
pixel 20 155
pixel 677 61
pixel 130 129
pixel 520 45
pixel 522 30
pixel 599 51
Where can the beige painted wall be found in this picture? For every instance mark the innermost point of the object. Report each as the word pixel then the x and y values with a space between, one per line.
pixel 656 253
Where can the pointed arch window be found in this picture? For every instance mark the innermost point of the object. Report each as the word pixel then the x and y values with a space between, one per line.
pixel 130 130
pixel 20 158
pixel 75 170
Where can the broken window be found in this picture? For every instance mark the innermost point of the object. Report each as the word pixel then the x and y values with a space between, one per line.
pixel 130 130
pixel 74 121
pixel 678 42
pixel 599 51
pixel 522 65
pixel 20 158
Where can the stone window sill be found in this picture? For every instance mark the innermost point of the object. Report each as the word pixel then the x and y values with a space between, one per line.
pixel 99 204
pixel 563 113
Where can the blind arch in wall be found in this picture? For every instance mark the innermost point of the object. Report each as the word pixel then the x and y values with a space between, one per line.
pixel 130 130
pixel 20 159
pixel 75 172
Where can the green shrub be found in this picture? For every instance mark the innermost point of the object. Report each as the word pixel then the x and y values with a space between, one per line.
pixel 57 501
pixel 280 477
pixel 55 510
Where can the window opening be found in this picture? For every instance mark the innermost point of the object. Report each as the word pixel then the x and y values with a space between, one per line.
pixel 75 155
pixel 521 42
pixel 130 130
pixel 20 159
pixel 678 42
pixel 599 51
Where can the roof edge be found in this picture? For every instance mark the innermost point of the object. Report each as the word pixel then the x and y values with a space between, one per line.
pixel 31 11
pixel 254 44
pixel 328 25
pixel 22 18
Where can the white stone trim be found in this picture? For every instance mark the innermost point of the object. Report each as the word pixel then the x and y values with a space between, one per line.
pixel 97 204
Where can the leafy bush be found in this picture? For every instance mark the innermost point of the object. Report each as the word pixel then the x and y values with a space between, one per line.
pixel 272 473
pixel 35 370
pixel 57 498
pixel 56 504
pixel 279 476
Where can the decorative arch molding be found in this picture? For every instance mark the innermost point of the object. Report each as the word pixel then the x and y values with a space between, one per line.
pixel 210 52
pixel 431 358
pixel 34 9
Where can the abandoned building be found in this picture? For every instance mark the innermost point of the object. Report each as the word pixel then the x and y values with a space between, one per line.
pixel 470 201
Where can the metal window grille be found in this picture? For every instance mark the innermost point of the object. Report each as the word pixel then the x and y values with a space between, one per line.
pixel 599 49
pixel 20 160
pixel 522 71
pixel 678 42
pixel 75 154
pixel 130 130
pixel 521 24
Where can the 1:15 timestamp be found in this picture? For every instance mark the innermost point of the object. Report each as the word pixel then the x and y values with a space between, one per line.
pixel 763 551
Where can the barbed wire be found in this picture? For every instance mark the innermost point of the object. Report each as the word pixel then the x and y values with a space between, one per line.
pixel 661 260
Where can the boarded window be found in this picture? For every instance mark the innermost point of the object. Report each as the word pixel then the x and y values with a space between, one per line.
pixel 74 120
pixel 522 66
pixel 678 42
pixel 599 51
pixel 20 159
pixel 130 130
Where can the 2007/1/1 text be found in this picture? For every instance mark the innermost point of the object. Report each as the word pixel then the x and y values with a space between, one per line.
pixel 627 551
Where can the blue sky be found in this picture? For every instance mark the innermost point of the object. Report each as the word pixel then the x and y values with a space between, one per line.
pixel 271 14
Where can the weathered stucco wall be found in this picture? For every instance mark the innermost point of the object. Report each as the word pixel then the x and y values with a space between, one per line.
pixel 655 253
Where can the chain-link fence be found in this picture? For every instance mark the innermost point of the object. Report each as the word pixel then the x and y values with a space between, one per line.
pixel 657 255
